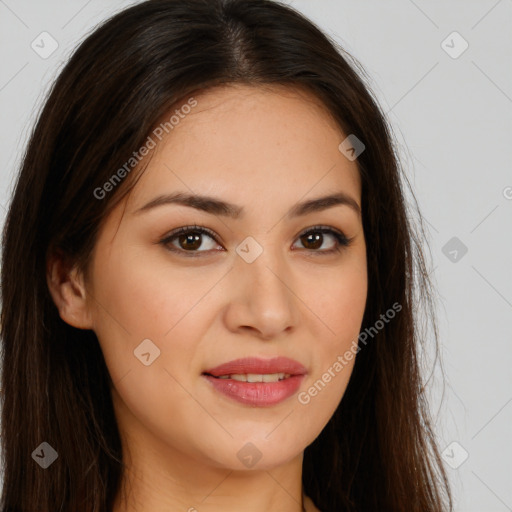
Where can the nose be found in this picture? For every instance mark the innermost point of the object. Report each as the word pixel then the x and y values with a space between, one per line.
pixel 262 298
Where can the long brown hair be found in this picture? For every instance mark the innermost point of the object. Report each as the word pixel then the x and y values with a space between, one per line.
pixel 378 451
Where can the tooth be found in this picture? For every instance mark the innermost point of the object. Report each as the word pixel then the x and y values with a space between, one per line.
pixel 240 377
pixel 256 377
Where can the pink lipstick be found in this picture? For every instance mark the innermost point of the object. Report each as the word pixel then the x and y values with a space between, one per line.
pixel 257 382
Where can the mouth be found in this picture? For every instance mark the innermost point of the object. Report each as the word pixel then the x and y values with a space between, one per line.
pixel 254 367
pixel 254 377
pixel 257 382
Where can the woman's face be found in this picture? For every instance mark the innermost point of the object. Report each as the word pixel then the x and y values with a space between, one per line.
pixel 257 286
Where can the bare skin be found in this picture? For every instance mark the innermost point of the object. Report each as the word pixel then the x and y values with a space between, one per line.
pixel 263 150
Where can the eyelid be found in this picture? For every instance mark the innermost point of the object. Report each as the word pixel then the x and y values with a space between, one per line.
pixel 167 239
pixel 342 241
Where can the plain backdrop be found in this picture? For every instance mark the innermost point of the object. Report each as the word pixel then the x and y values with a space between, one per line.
pixel 442 72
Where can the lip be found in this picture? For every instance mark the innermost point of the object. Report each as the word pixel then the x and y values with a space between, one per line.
pixel 257 365
pixel 259 394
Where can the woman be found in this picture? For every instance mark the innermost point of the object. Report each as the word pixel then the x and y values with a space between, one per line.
pixel 208 279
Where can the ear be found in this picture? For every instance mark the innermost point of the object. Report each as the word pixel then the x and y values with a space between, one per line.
pixel 67 288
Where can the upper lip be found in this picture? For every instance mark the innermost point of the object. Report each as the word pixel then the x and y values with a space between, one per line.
pixel 258 366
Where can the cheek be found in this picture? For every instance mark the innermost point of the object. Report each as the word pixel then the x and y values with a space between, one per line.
pixel 148 295
pixel 136 299
pixel 318 401
pixel 140 301
pixel 339 306
pixel 338 301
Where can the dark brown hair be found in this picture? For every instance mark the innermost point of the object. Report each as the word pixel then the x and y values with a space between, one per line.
pixel 378 451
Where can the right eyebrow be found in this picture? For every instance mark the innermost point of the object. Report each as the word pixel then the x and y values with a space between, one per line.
pixel 216 206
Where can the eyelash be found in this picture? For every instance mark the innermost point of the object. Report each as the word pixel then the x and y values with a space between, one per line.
pixel 341 240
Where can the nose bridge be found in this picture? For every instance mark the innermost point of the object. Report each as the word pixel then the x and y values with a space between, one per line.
pixel 261 271
pixel 264 263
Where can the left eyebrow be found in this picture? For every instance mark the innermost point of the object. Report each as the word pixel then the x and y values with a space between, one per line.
pixel 216 206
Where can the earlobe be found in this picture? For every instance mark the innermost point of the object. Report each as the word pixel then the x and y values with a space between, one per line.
pixel 67 289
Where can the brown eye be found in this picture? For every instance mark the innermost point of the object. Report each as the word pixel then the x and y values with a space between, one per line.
pixel 189 240
pixel 314 238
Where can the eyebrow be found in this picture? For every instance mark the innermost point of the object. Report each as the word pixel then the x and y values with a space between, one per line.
pixel 216 206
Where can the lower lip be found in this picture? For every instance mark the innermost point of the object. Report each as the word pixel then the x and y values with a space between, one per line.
pixel 257 393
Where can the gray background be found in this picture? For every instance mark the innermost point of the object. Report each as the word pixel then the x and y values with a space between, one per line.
pixel 453 120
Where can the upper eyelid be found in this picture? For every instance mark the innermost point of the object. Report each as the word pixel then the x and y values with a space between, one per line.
pixel 206 231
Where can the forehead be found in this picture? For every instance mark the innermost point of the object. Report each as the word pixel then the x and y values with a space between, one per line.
pixel 250 145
